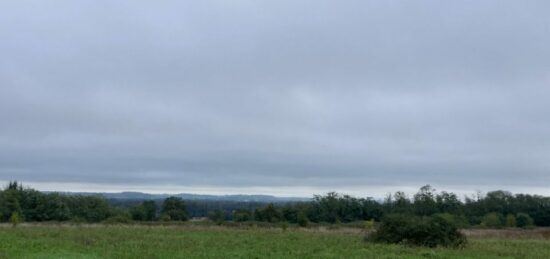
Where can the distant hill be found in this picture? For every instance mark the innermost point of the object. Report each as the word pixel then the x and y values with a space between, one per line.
pixel 189 196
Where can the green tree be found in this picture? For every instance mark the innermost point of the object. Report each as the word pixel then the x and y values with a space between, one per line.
pixel 241 215
pixel 523 220
pixel 175 208
pixel 217 216
pixel 424 201
pixel 269 213
pixel 145 211
pixel 9 203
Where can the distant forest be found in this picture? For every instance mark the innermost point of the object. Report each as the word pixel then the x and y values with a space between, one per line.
pixel 493 210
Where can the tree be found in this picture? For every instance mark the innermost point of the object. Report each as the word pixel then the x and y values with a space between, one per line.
pixel 400 203
pixel 290 214
pixel 424 201
pixel 523 220
pixel 175 208
pixel 269 213
pixel 89 208
pixel 372 209
pixel 217 217
pixel 9 204
pixel 145 211
pixel 448 203
pixel 241 215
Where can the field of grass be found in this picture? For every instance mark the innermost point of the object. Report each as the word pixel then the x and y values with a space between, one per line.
pixel 103 241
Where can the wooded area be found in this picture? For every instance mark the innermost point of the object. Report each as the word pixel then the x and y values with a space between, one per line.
pixel 493 210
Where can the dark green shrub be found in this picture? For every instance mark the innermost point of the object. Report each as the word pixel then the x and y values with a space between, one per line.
pixel 523 220
pixel 303 221
pixel 217 217
pixel 118 219
pixel 241 215
pixel 458 220
pixel 268 213
pixel 430 231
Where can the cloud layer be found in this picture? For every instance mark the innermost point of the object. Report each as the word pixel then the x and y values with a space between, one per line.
pixel 248 94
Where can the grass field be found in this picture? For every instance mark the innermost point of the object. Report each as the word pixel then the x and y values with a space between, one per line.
pixel 102 241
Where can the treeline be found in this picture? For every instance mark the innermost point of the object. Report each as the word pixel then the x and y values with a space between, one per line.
pixel 495 209
pixel 199 208
pixel 24 204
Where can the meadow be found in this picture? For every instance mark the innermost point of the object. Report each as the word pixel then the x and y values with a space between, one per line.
pixel 189 241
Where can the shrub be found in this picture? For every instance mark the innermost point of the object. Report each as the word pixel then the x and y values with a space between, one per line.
pixel 284 226
pixel 217 217
pixel 511 221
pixel 165 217
pixel 15 219
pixel 458 220
pixel 303 221
pixel 118 219
pixel 241 215
pixel 369 224
pixel 523 220
pixel 492 220
pixel 431 231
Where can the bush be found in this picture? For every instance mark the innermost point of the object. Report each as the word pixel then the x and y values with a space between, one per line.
pixel 303 221
pixel 241 215
pixel 15 219
pixel 429 231
pixel 118 219
pixel 369 224
pixel 165 217
pixel 458 220
pixel 492 220
pixel 511 221
pixel 217 217
pixel 284 226
pixel 523 220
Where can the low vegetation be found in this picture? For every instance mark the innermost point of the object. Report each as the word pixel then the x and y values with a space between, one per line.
pixel 138 241
pixel 430 231
pixel 496 209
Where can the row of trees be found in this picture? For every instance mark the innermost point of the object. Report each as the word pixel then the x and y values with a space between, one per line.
pixel 495 209
pixel 18 203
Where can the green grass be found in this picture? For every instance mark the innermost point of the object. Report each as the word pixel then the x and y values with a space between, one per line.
pixel 102 241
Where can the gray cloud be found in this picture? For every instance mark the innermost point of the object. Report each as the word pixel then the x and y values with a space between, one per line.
pixel 246 93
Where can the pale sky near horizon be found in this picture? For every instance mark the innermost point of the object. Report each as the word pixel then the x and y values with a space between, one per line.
pixel 290 98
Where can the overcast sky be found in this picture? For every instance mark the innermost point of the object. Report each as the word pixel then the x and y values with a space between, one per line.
pixel 277 97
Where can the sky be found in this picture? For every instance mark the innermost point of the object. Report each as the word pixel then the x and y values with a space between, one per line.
pixel 290 98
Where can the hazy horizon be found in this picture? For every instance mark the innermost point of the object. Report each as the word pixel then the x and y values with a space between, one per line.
pixel 287 98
